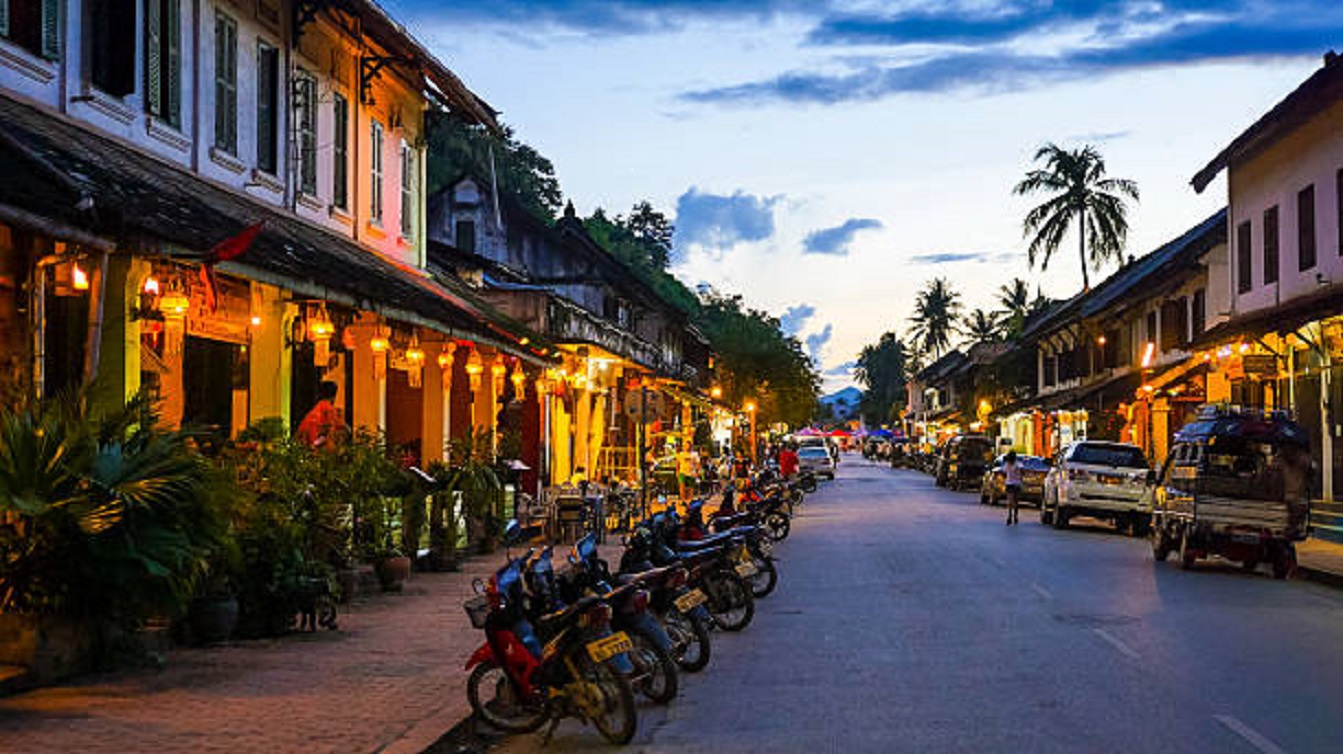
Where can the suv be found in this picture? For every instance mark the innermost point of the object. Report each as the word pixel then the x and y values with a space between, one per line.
pixel 962 461
pixel 1106 480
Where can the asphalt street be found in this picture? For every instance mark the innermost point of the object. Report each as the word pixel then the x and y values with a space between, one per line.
pixel 911 619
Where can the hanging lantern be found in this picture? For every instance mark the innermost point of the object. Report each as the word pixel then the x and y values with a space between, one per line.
pixel 319 325
pixel 79 279
pixel 414 363
pixel 174 303
pixel 519 380
pixel 474 368
pixel 497 372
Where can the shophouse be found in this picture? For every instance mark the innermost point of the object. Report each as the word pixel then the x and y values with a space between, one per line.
pixel 632 370
pixel 1116 362
pixel 222 204
pixel 1279 339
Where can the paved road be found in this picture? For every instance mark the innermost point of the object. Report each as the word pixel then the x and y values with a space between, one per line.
pixel 909 618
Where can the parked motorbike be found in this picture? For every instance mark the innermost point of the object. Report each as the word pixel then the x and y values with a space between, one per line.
pixel 712 568
pixel 529 672
pixel 679 606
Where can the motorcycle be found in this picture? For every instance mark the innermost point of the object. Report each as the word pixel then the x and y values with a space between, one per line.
pixel 527 673
pixel 679 607
pixel 713 569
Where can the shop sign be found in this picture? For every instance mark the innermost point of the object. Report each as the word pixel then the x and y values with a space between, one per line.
pixel 1262 364
pixel 231 317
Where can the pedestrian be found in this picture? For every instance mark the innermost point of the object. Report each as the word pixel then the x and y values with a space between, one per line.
pixel 788 461
pixel 322 425
pixel 1012 483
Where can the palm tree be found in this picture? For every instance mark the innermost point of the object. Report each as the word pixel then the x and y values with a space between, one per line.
pixel 935 313
pixel 982 327
pixel 1080 194
pixel 1014 297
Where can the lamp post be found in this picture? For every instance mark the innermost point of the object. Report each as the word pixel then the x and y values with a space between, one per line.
pixel 750 409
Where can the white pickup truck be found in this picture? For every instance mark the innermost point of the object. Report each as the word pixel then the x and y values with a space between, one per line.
pixel 1105 480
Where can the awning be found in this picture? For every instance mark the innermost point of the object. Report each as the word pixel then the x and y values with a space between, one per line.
pixel 1283 318
pixel 1095 394
pixel 105 189
pixel 1174 374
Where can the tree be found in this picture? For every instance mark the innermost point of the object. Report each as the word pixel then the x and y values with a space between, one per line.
pixel 1081 195
pixel 881 371
pixel 521 171
pixel 982 327
pixel 935 313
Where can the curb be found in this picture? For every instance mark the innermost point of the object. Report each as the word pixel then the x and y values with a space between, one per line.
pixel 1328 578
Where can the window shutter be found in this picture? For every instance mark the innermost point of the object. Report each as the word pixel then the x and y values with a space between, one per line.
pixel 231 79
pixel 154 57
pixel 173 12
pixel 4 18
pixel 51 29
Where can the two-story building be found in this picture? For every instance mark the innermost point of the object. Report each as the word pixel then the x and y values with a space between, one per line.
pixel 1116 362
pixel 1279 340
pixel 632 362
pixel 222 203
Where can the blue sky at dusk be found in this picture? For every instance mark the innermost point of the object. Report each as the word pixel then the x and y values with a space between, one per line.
pixel 826 159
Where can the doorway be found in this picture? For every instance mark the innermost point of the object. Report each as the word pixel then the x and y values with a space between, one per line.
pixel 214 386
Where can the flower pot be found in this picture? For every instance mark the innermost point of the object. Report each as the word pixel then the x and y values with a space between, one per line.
pixel 213 619
pixel 393 572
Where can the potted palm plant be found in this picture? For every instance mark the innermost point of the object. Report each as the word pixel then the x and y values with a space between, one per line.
pixel 472 476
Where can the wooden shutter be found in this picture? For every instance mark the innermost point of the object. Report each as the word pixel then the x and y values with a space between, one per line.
pixel 1271 244
pixel 265 108
pixel 4 18
pixel 51 29
pixel 154 57
pixel 173 42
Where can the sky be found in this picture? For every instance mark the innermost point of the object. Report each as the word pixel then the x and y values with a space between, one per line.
pixel 826 158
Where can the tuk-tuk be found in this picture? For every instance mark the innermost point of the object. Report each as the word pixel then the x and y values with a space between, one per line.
pixel 1235 485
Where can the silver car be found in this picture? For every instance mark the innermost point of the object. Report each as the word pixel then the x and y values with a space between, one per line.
pixel 816 459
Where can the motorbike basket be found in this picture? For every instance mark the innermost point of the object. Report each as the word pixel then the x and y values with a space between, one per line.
pixel 478 610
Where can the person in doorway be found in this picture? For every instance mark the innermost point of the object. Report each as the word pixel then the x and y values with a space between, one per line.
pixel 1012 484
pixel 323 425
pixel 687 471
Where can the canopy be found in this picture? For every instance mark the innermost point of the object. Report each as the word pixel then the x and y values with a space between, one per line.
pixel 879 433
pixel 809 432
pixel 837 433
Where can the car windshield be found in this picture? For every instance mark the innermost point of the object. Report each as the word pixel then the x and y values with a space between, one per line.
pixel 1109 455
pixel 975 449
pixel 1033 463
pixel 813 453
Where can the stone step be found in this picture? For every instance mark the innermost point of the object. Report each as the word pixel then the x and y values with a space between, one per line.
pixel 15 679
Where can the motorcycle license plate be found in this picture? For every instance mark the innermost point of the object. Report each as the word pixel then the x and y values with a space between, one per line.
pixel 1245 539
pixel 746 570
pixel 602 650
pixel 690 600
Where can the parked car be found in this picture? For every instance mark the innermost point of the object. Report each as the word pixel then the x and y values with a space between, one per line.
pixel 817 460
pixel 1235 484
pixel 962 461
pixel 1033 471
pixel 1105 480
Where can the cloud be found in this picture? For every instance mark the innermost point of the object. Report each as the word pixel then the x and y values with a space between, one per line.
pixel 817 341
pixel 720 221
pixel 836 240
pixel 842 370
pixel 623 17
pixel 999 48
pixel 795 318
pixel 950 257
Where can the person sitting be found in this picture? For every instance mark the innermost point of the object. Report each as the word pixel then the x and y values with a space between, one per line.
pixel 322 425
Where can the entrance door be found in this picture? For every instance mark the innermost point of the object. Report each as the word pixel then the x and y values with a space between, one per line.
pixel 212 372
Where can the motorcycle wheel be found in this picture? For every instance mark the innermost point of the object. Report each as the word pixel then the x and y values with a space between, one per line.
pixel 809 484
pixel 765 579
pixel 657 678
pixel 1161 544
pixel 618 720
pixel 777 526
pixel 496 700
pixel 691 645
pixel 730 601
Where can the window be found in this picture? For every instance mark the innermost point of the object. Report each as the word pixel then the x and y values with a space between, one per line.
pixel 1271 245
pixel 465 236
pixel 267 104
pixel 375 172
pixel 1150 334
pixel 407 191
pixel 340 153
pixel 226 84
pixel 34 25
pixel 163 60
pixel 1244 280
pixel 1051 371
pixel 1338 194
pixel 1305 228
pixel 305 123
pixel 111 43
pixel 1200 313
pixel 1174 323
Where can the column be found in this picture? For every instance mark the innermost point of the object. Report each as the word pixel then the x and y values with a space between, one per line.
pixel 370 370
pixel 270 362
pixel 437 365
pixel 486 406
pixel 582 429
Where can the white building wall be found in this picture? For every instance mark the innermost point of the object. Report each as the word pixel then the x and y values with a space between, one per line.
pixel 1311 155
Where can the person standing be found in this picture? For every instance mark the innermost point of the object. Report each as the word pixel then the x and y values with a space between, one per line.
pixel 1012 483
pixel 788 461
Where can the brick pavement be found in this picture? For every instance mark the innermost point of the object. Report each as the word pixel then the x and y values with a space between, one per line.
pixel 390 680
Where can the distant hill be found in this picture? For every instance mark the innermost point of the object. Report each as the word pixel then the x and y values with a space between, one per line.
pixel 843 403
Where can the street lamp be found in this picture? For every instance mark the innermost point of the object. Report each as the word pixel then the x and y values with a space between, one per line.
pixel 750 409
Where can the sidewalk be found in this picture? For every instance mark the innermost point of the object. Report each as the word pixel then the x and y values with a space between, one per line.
pixel 389 680
pixel 1320 560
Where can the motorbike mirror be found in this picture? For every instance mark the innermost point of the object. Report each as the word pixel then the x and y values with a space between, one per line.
pixel 477 585
pixel 512 532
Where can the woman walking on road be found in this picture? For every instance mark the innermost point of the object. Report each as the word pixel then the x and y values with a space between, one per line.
pixel 1011 481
